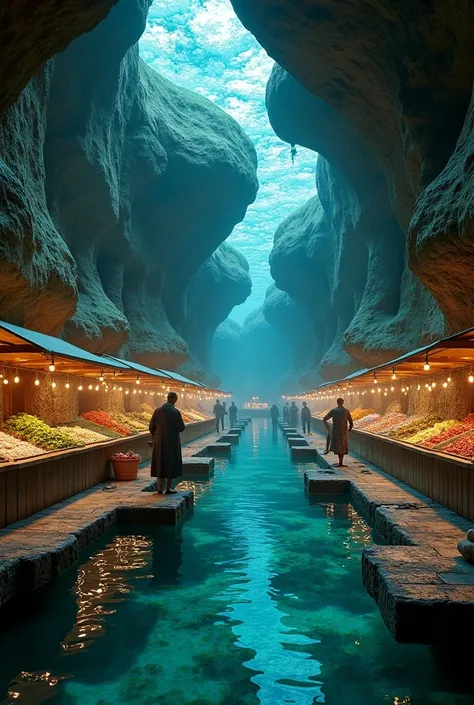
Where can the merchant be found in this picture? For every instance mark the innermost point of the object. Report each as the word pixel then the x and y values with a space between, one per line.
pixel 165 426
pixel 218 412
pixel 233 414
pixel 293 415
pixel 341 425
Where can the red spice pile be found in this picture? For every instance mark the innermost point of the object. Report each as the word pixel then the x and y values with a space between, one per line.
pixel 104 419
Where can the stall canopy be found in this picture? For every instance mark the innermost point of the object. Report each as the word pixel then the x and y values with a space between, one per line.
pixel 441 357
pixel 21 348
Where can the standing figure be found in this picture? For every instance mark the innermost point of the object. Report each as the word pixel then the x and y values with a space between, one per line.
pixel 306 418
pixel 165 426
pixel 286 413
pixel 293 415
pixel 233 411
pixel 218 412
pixel 274 413
pixel 341 425
pixel 224 406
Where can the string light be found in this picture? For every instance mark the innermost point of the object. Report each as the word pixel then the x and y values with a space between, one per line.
pixel 445 384
pixel 137 381
pixel 126 391
pixel 97 387
pixel 52 366
pixel 426 366
pixel 16 379
pixel 375 379
pixel 134 391
pixel 120 389
pixel 53 385
pixel 449 379
pixel 80 387
pixel 394 376
pixel 5 381
pixel 101 378
pixel 90 387
pixel 37 382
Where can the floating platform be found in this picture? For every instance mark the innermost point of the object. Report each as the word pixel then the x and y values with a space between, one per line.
pixel 296 441
pixel 214 448
pixel 290 431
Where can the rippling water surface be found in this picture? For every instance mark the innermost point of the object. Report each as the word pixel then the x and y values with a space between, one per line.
pixel 255 598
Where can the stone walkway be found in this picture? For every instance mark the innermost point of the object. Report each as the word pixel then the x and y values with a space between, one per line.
pixel 38 549
pixel 424 589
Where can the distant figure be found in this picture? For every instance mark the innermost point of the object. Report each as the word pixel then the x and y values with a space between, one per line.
pixel 293 153
pixel 293 415
pixel 165 426
pixel 218 412
pixel 233 413
pixel 328 443
pixel 341 425
pixel 306 418
pixel 224 406
pixel 286 413
pixel 274 413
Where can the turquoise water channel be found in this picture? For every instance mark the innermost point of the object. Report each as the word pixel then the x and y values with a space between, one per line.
pixel 256 598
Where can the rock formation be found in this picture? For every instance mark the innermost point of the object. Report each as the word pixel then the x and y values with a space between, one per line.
pixel 141 182
pixel 220 283
pixel 381 92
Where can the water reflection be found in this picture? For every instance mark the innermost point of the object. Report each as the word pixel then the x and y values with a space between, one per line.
pixel 103 582
pixel 33 688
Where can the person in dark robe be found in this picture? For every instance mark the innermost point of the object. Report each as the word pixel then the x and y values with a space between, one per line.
pixel 224 406
pixel 233 413
pixel 341 425
pixel 218 412
pixel 306 418
pixel 274 413
pixel 165 426
pixel 293 415
pixel 286 412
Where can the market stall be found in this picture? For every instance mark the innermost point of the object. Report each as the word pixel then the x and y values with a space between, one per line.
pixel 414 418
pixel 65 411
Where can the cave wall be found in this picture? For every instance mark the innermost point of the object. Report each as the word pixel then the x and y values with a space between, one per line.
pixel 382 92
pixel 117 186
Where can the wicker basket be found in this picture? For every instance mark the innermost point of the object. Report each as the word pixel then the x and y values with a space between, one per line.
pixel 125 469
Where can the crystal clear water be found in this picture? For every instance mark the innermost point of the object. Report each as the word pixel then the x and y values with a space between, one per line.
pixel 256 598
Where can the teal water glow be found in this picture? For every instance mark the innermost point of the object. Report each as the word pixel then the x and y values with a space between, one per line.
pixel 256 598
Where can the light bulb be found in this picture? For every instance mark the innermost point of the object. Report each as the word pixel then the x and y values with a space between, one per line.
pixel 5 381
pixel 449 379
pixel 52 368
pixel 67 385
pixel 419 387
pixel 426 366
pixel 114 387
pixel 90 387
pixel 445 384
pixel 80 387
pixel 392 389
pixel 134 391
pixel 470 379
pixel 101 378
pixel 126 391
pixel 37 382
pixel 379 390
pixel 16 379
pixel 433 384
pixel 97 387
pixel 120 389
pixel 53 385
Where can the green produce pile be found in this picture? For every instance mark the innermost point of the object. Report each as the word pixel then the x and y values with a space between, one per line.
pixel 33 430
pixel 91 426
pixel 413 426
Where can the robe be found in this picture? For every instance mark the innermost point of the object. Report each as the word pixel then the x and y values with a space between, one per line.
pixel 166 424
pixel 274 413
pixel 285 413
pixel 293 416
pixel 233 414
pixel 341 422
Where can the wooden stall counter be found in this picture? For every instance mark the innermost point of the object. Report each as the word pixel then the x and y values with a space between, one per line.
pixel 27 486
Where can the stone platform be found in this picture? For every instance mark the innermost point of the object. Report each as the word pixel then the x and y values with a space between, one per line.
pixel 38 549
pixel 424 589
pixel 215 448
pixel 296 441
pixel 304 453
pixel 203 467
pixel 228 438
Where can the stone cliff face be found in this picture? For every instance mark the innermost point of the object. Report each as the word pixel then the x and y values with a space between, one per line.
pixel 381 91
pixel 221 283
pixel 141 182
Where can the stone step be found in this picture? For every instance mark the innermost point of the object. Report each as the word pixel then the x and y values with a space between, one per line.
pixel 297 441
pixel 198 466
pixel 214 448
pixel 304 453
pixel 290 431
pixel 228 438
pixel 326 482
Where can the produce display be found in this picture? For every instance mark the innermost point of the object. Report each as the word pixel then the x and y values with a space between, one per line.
pixel 104 419
pixel 359 413
pixel 450 433
pixel 386 423
pixel 423 437
pixel 133 424
pixel 89 425
pixel 366 420
pixel 412 426
pixel 84 435
pixel 33 430
pixel 12 448
pixel 464 446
